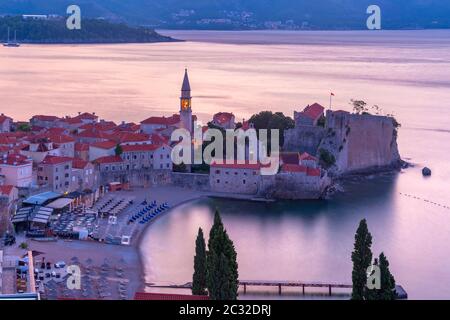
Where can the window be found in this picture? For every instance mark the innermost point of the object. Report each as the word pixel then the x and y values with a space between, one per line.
pixel 66 167
pixel 218 180
pixel 217 171
pixel 167 165
pixel 66 175
pixel 57 178
pixel 243 181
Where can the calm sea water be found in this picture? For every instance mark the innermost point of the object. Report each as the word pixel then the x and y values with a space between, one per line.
pixel 406 73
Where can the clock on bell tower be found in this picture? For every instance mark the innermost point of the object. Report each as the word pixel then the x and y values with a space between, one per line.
pixel 186 104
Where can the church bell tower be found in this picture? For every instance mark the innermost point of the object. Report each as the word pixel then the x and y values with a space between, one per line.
pixel 186 104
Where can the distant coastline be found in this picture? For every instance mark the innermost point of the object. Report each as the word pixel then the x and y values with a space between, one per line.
pixel 93 31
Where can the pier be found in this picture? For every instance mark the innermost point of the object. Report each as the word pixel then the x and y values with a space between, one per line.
pixel 400 292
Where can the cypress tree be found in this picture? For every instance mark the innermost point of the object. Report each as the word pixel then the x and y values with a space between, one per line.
pixel 387 291
pixel 199 276
pixel 222 267
pixel 361 257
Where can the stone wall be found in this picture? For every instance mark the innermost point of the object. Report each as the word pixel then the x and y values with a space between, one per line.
pixel 293 186
pixel 303 139
pixel 195 181
pixel 360 143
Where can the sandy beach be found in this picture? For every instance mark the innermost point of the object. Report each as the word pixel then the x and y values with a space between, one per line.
pixel 91 256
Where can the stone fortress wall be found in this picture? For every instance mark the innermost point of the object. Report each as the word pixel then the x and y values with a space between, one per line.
pixel 360 143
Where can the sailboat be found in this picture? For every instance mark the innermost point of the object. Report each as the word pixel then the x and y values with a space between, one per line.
pixel 12 44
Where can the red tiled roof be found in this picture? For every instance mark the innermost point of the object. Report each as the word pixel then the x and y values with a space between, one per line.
pixel 6 190
pixel 81 147
pixel 313 172
pixel 158 139
pixel 59 138
pixel 223 117
pixel 290 157
pixel 45 118
pixel 108 159
pixel 4 148
pixel 140 147
pixel 99 126
pixel 313 111
pixel 166 121
pixel 165 296
pixel 6 139
pixel 71 120
pixel 52 160
pixel 79 163
pixel 87 116
pixel 307 156
pixel 53 131
pixel 15 160
pixel 104 144
pixel 293 168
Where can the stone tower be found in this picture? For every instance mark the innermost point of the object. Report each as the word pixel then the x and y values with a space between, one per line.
pixel 186 104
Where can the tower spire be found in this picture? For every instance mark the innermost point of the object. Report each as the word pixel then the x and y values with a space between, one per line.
pixel 186 87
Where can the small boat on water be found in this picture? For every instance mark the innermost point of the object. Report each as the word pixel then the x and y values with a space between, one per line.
pixel 14 43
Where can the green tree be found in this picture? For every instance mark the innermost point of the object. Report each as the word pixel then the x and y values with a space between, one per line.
pixel 118 151
pixel 222 267
pixel 361 257
pixel 199 277
pixel 387 291
pixel 269 120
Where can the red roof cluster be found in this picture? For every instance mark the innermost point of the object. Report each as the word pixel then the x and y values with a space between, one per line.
pixel 165 121
pixel 53 160
pixel 15 160
pixel 104 144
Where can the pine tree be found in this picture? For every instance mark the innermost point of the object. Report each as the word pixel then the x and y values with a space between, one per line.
pixel 199 276
pixel 361 257
pixel 222 267
pixel 387 291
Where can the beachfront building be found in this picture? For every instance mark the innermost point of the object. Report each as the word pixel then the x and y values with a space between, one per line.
pixel 225 120
pixel 16 170
pixel 84 175
pixel 235 178
pixel 5 123
pixel 55 172
pixel 102 149
pixel 310 116
pixel 111 169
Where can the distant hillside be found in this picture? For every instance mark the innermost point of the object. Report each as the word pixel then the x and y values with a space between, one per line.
pixel 248 14
pixel 92 31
